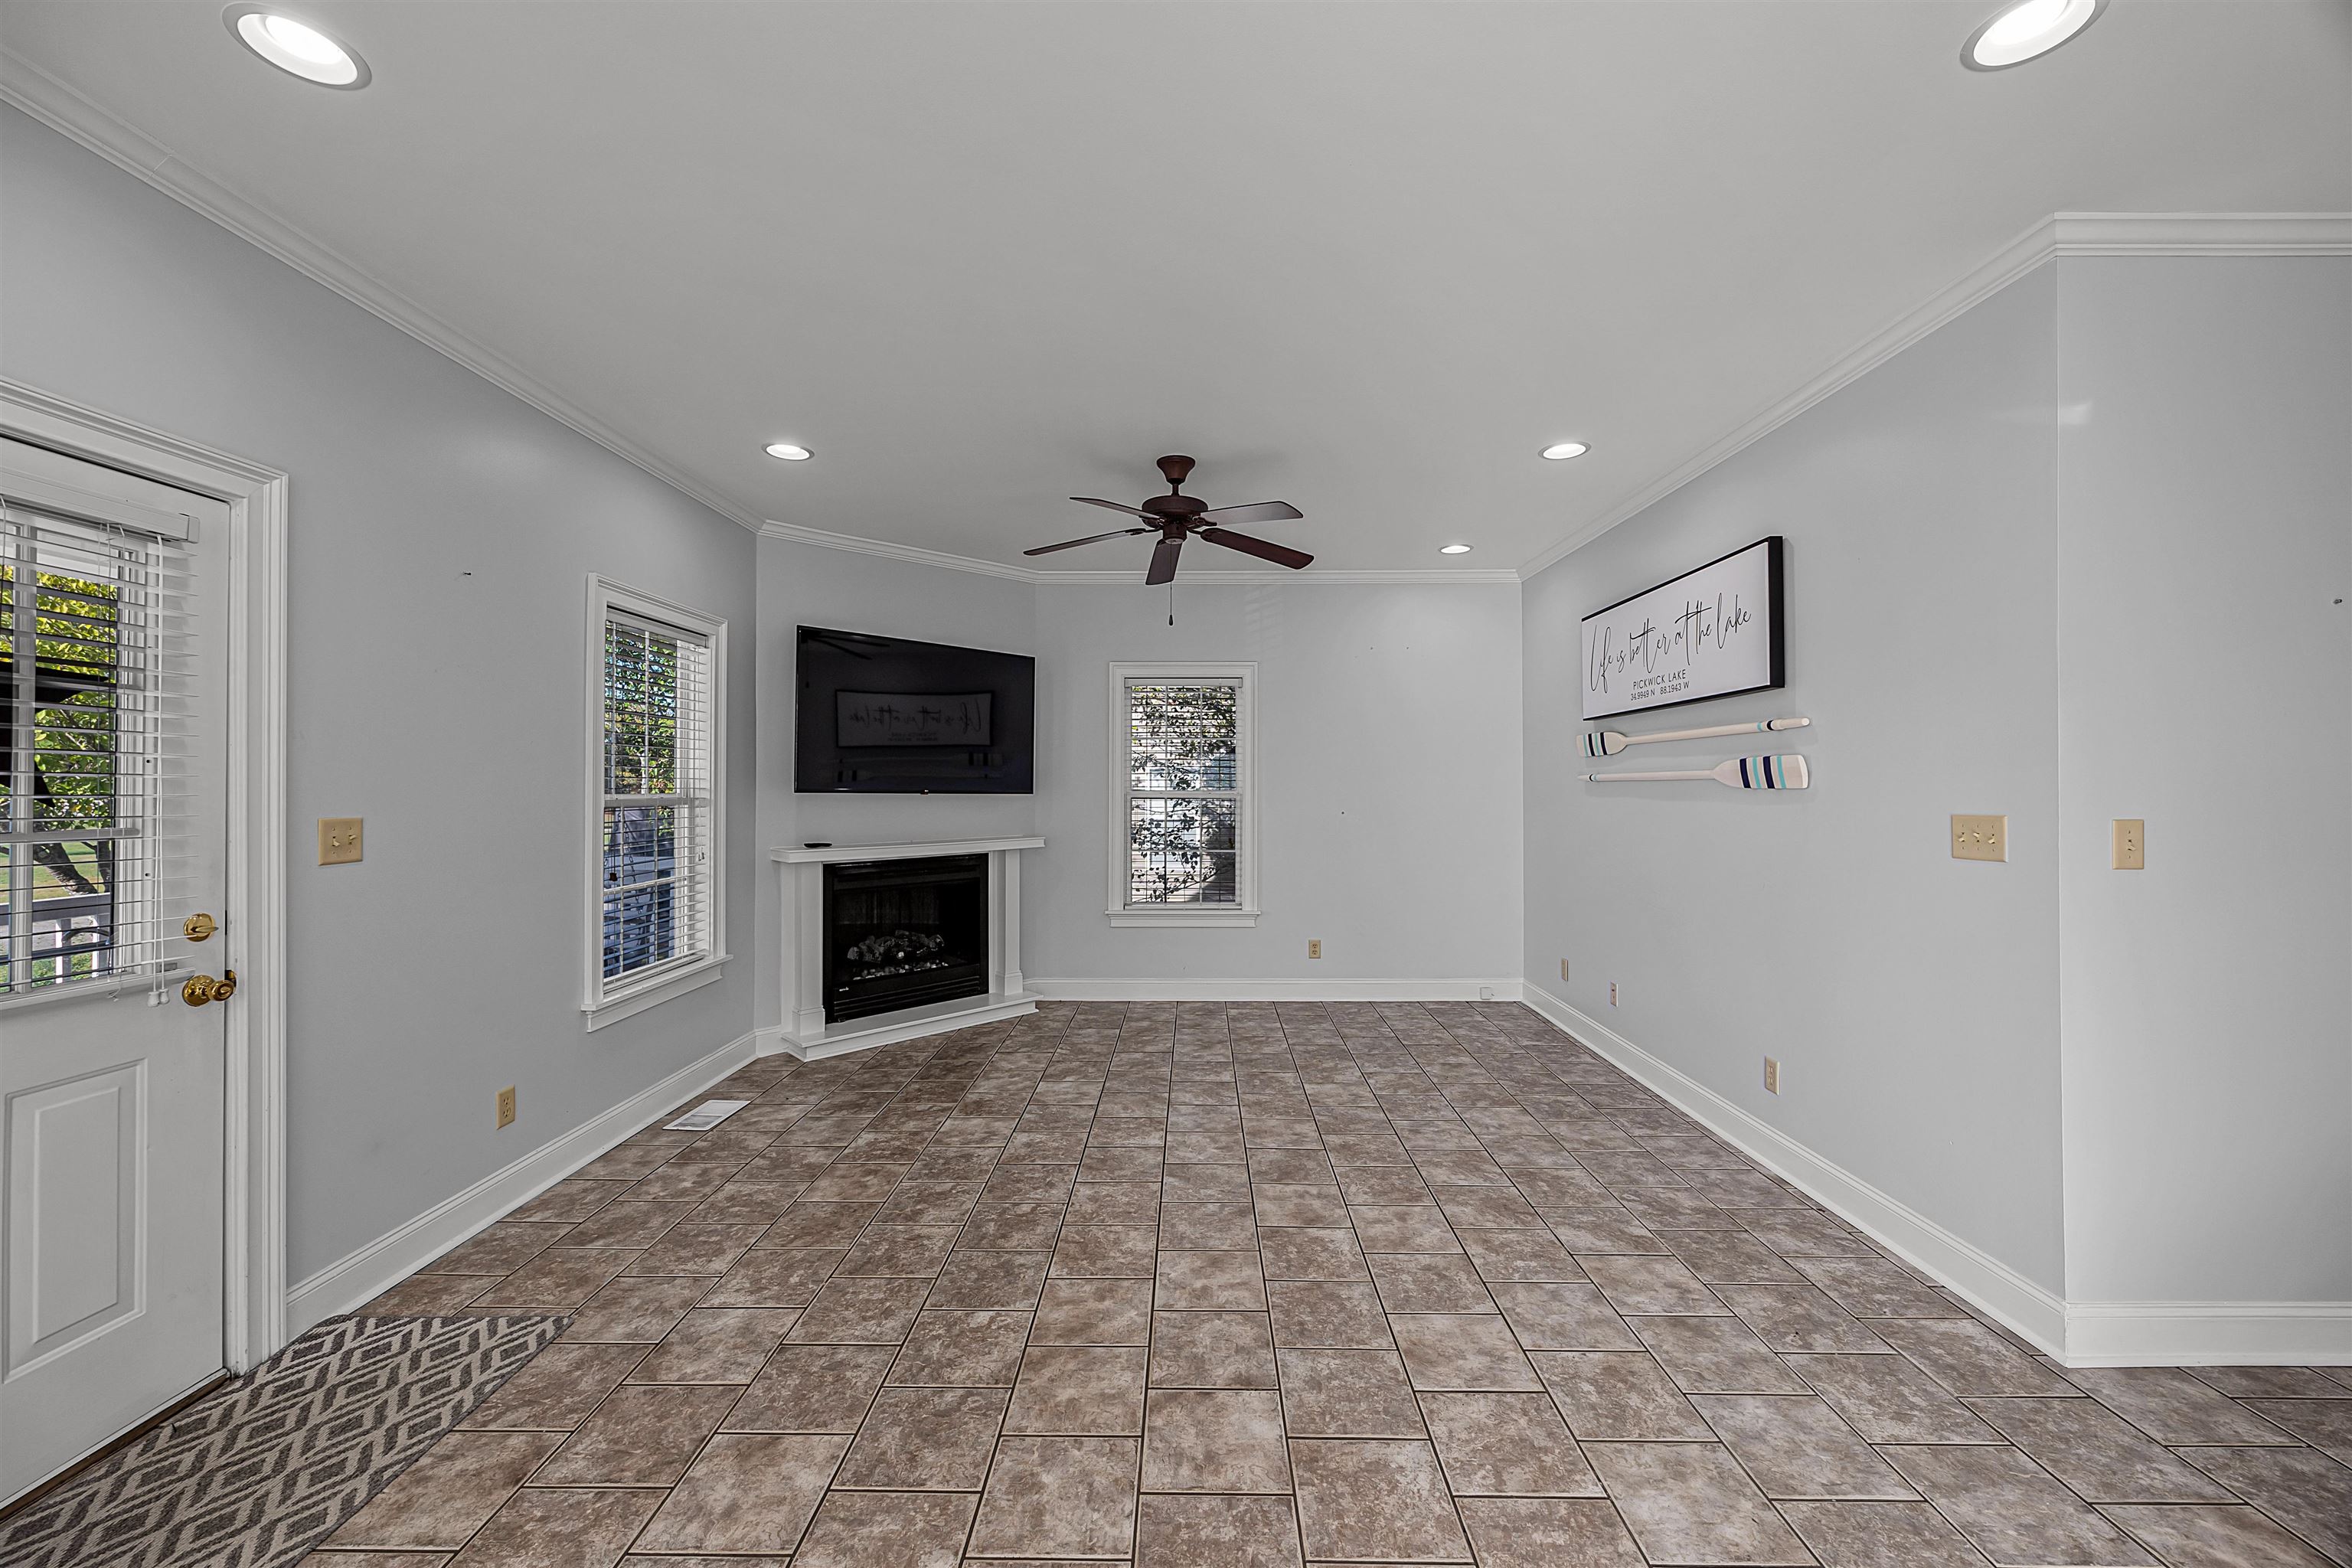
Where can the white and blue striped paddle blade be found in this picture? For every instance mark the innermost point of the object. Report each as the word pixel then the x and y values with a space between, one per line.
pixel 1766 773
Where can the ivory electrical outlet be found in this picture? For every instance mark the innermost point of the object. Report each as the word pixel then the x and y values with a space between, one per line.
pixel 1980 837
pixel 1315 948
pixel 506 1106
pixel 1771 1076
pixel 339 840
pixel 1563 968
pixel 2131 843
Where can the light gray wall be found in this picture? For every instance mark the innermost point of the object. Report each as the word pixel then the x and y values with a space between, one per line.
pixel 1911 998
pixel 2206 554
pixel 1387 772
pixel 804 585
pixel 447 709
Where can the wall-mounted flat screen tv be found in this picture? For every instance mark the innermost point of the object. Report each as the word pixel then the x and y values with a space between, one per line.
pixel 889 716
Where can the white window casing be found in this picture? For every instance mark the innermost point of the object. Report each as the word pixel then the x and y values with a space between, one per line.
pixel 654 918
pixel 1183 807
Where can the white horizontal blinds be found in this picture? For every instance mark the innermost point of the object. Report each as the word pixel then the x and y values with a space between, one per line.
pixel 97 725
pixel 654 848
pixel 1184 791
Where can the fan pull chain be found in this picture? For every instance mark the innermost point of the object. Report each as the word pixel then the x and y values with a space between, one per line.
pixel 1171 604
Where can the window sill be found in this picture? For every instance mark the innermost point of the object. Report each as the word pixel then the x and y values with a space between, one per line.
pixel 1176 916
pixel 629 1003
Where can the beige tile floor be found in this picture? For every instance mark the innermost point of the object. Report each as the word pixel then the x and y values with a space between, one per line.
pixel 1203 1286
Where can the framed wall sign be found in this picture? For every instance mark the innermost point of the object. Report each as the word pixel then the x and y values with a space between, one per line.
pixel 1715 631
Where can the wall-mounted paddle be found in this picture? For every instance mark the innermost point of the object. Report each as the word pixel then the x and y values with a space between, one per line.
pixel 1609 743
pixel 1739 773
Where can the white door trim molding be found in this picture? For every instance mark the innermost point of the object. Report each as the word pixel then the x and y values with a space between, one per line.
pixel 370 1270
pixel 1971 1273
pixel 253 1314
pixel 2059 233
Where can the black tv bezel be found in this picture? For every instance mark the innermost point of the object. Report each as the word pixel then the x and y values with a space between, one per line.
pixel 1020 777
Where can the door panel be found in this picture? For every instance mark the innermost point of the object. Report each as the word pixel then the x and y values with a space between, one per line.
pixel 113 665
pixel 76 1210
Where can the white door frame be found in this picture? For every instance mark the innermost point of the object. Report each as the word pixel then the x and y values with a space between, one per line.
pixel 254 1228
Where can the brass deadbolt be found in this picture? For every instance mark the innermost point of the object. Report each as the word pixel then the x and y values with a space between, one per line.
pixel 197 927
pixel 203 988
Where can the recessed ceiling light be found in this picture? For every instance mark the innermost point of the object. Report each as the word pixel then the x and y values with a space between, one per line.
pixel 296 46
pixel 1566 450
pixel 785 451
pixel 1454 549
pixel 2024 31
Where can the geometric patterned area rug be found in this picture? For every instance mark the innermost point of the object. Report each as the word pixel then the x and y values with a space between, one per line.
pixel 258 1473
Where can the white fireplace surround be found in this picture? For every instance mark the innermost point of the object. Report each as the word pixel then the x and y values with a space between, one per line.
pixel 805 1033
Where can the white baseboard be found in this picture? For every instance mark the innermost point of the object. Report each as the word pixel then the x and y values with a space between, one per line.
pixel 402 1250
pixel 1089 989
pixel 2209 1334
pixel 889 1028
pixel 1975 1274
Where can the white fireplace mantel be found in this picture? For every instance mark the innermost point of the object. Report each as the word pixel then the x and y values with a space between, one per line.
pixel 805 1033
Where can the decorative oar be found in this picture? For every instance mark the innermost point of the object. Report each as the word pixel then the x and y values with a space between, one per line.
pixel 1739 773
pixel 1609 743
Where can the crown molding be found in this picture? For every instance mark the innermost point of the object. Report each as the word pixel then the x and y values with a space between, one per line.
pixel 1467 577
pixel 1030 575
pixel 2060 234
pixel 27 86
pixel 893 552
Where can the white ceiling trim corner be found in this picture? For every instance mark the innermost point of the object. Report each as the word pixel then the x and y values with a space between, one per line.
pixel 2059 233
pixel 1030 575
pixel 27 86
pixel 859 545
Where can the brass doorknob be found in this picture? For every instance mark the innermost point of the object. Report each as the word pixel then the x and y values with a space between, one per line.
pixel 197 927
pixel 203 988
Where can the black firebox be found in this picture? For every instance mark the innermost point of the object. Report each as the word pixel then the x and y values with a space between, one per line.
pixel 902 933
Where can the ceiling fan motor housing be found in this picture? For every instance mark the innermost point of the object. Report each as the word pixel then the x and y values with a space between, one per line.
pixel 1175 508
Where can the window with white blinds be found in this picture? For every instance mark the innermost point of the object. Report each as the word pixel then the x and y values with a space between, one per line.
pixel 95 718
pixel 1183 822
pixel 655 913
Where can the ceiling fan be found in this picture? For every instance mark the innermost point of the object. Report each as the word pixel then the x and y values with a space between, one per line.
pixel 1176 517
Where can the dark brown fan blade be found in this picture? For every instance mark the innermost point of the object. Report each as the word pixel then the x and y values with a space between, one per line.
pixel 1114 506
pixel 1257 511
pixel 1089 539
pixel 1163 561
pixel 1281 554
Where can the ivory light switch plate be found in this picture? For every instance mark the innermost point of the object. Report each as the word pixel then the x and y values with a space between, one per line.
pixel 1979 839
pixel 2131 843
pixel 506 1106
pixel 339 840
pixel 1771 1076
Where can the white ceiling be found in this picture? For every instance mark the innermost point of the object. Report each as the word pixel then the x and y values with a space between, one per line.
pixel 1366 258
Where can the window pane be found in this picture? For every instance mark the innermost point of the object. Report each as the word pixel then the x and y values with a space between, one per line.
pixel 73 909
pixel 1182 737
pixel 642 926
pixel 1181 852
pixel 59 734
pixel 641 843
pixel 641 711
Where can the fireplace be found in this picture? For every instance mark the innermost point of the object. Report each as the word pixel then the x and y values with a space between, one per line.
pixel 902 933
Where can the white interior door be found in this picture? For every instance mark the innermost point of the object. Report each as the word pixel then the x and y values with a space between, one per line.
pixel 113 666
